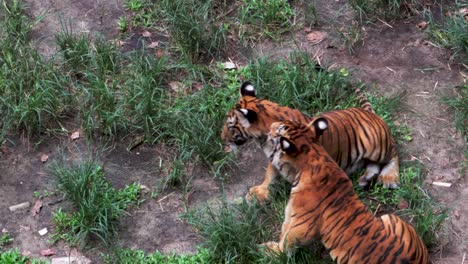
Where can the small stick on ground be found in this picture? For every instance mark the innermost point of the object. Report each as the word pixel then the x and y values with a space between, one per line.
pixel 385 23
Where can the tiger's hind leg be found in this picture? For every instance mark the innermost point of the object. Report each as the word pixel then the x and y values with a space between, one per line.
pixel 389 175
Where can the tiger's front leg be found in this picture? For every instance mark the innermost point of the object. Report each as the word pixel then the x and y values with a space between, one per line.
pixel 294 231
pixel 261 192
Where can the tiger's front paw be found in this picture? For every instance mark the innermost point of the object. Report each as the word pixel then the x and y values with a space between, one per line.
pixel 272 247
pixel 258 192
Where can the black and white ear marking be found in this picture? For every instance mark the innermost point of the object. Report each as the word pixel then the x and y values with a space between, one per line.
pixel 247 89
pixel 288 147
pixel 320 125
pixel 248 117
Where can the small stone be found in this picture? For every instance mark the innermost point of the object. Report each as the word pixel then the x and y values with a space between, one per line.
pixel 73 260
pixel 144 189
pixel 43 231
pixel 19 206
pixel 229 65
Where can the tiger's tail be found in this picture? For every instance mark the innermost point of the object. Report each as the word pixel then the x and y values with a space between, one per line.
pixel 365 104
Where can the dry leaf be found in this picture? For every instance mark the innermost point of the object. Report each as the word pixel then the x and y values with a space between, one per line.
pixel 44 158
pixel 197 86
pixel 422 25
pixel 153 44
pixel 456 213
pixel 146 34
pixel 316 37
pixel 75 135
pixel 36 208
pixel 47 252
pixel 144 189
pixel 159 53
pixel 176 86
pixel 4 150
pixel 403 204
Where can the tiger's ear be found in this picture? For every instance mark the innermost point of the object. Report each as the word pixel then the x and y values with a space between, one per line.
pixel 247 117
pixel 288 147
pixel 320 125
pixel 247 89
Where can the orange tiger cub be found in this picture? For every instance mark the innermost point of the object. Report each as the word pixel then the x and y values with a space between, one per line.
pixel 323 204
pixel 357 137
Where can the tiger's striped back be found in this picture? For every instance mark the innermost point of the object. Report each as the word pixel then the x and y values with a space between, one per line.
pixel 323 205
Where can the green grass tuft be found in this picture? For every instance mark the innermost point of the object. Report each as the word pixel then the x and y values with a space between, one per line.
pixel 265 17
pixel 98 205
pixel 389 9
pixel 127 256
pixel 450 31
pixel 15 257
pixel 32 94
pixel 459 103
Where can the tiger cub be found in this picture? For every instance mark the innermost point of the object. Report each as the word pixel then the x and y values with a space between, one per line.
pixel 323 204
pixel 356 137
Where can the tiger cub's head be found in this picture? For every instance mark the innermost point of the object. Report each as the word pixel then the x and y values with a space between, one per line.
pixel 241 122
pixel 288 141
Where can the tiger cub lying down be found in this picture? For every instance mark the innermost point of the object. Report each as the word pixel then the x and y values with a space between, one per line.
pixel 323 204
pixel 356 137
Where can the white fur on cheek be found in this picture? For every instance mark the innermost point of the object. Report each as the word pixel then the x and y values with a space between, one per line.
pixel 244 111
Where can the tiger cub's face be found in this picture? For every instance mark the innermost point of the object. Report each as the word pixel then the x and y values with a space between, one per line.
pixel 275 149
pixel 289 140
pixel 240 122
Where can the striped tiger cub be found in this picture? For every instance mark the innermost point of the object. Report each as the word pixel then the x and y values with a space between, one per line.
pixel 323 204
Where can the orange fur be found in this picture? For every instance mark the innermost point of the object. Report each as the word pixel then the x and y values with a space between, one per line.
pixel 323 205
pixel 356 137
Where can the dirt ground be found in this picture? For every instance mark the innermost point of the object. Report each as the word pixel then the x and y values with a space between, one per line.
pixel 394 57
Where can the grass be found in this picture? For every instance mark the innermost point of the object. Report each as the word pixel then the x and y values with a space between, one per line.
pixel 411 202
pixel 265 17
pixel 198 36
pixel 32 95
pixel 389 9
pixel 297 83
pixel 459 103
pixel 350 35
pixel 15 257
pixel 450 31
pixel 98 206
pixel 115 96
pixel 5 239
pixel 127 256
